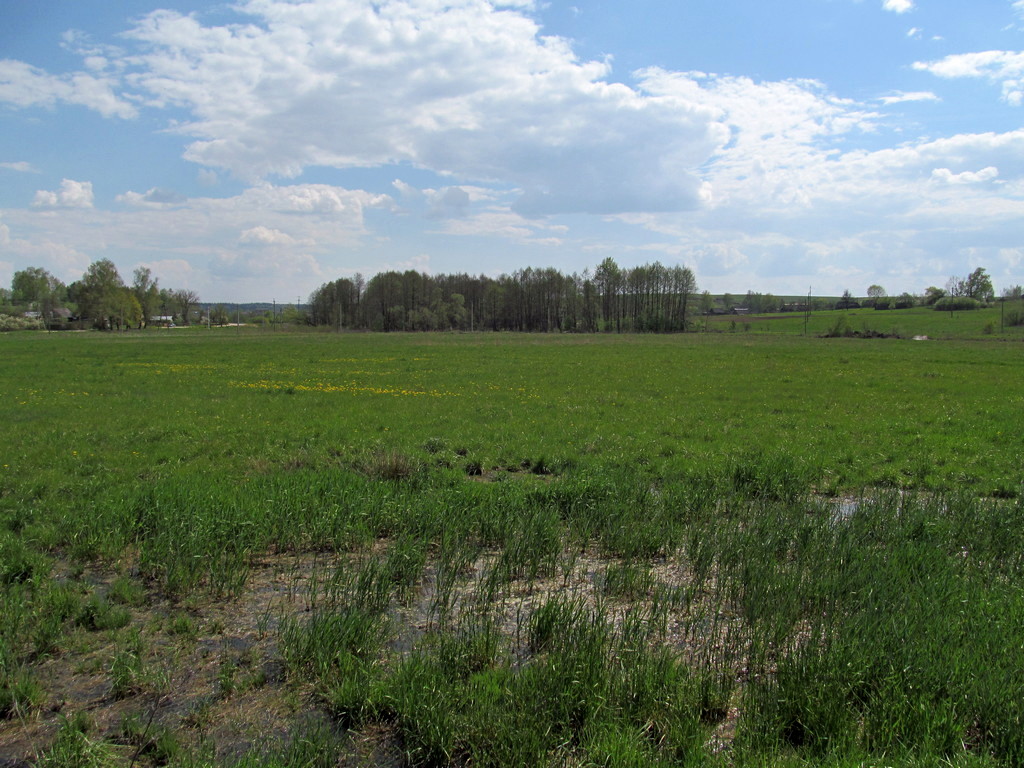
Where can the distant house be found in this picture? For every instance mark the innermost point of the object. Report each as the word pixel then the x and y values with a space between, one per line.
pixel 58 316
pixel 162 320
pixel 741 310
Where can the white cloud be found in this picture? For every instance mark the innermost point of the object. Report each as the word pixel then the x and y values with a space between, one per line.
pixel 418 263
pixel 777 135
pixel 154 197
pixel 72 194
pixel 898 6
pixel 23 85
pixel 463 88
pixel 265 236
pixel 993 64
pixel 20 166
pixel 207 178
pixel 313 199
pixel 282 266
pixel 915 33
pixel 448 203
pixel 904 97
pixel 500 223
pixel 737 176
pixel 172 273
pixel 62 259
pixel 966 177
pixel 285 232
pixel 1004 67
pixel 907 214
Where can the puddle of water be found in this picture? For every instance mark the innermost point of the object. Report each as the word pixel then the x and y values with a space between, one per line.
pixel 844 509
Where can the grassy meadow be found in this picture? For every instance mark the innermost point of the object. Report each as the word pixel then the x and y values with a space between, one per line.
pixel 242 548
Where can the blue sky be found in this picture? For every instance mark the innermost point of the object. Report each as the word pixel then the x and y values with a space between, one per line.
pixel 255 150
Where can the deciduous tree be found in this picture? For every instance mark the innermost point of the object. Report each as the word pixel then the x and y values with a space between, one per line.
pixel 98 294
pixel 979 285
pixel 39 290
pixel 184 300
pixel 147 293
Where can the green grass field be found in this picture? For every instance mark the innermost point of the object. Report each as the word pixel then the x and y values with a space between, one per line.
pixel 992 322
pixel 234 547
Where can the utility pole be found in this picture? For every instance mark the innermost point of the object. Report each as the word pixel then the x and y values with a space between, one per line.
pixel 807 309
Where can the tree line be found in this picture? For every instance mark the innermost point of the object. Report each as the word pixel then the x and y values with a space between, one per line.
pixel 972 291
pixel 648 298
pixel 100 299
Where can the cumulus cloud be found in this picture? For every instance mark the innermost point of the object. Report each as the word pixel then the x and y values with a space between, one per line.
pixel 504 224
pixel 733 174
pixel 472 90
pixel 1004 67
pixel 285 231
pixel 898 6
pixel 468 88
pixel 265 236
pixel 207 178
pixel 448 203
pixel 170 272
pixel 903 213
pixel 72 194
pixel 313 199
pixel 155 196
pixel 23 85
pixel 994 64
pixel 28 248
pixel 965 177
pixel 283 265
pixel 779 134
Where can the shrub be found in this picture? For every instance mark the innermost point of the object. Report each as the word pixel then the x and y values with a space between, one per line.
pixel 904 301
pixel 12 323
pixel 840 328
pixel 388 465
pixel 957 304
